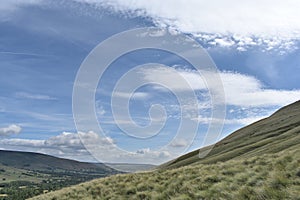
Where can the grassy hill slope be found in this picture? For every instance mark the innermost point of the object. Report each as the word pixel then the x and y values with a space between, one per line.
pixel 260 161
pixel 268 176
pixel 270 135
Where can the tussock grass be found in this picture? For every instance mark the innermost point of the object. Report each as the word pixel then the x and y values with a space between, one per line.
pixel 258 162
pixel 269 176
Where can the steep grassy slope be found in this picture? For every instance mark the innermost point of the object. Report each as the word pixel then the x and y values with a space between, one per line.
pixel 270 135
pixel 260 161
pixel 269 176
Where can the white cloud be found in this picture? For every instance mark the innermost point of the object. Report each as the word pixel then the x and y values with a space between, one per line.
pixel 234 121
pixel 11 129
pixel 223 42
pixel 230 23
pixel 244 90
pixel 66 144
pixel 179 143
pixel 68 139
pixel 135 95
pixel 20 144
pixel 152 154
pixel 164 75
pixel 240 89
pixel 34 96
pixel 258 22
pixel 69 145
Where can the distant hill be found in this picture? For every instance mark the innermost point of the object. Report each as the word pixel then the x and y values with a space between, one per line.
pixel 42 162
pixel 270 135
pixel 25 174
pixel 260 161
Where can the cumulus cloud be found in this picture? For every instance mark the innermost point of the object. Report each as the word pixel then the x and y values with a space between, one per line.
pixel 66 144
pixel 76 146
pixel 153 154
pixel 179 143
pixel 9 130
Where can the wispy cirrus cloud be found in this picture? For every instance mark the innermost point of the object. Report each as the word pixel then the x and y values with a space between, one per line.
pixel 26 95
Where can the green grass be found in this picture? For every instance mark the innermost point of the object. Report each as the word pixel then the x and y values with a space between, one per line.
pixel 269 176
pixel 260 161
pixel 25 174
pixel 19 181
pixel 9 174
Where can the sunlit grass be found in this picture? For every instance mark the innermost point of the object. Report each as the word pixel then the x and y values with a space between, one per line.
pixel 269 176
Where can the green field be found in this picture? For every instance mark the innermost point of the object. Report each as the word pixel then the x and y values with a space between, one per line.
pixel 9 174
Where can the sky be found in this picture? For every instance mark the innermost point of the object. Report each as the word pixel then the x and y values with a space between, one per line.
pixel 254 45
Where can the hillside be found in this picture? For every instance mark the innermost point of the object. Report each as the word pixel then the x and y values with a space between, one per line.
pixel 25 174
pixel 42 162
pixel 269 135
pixel 259 161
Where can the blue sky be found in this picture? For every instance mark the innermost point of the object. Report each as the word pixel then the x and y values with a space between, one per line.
pixel 43 43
